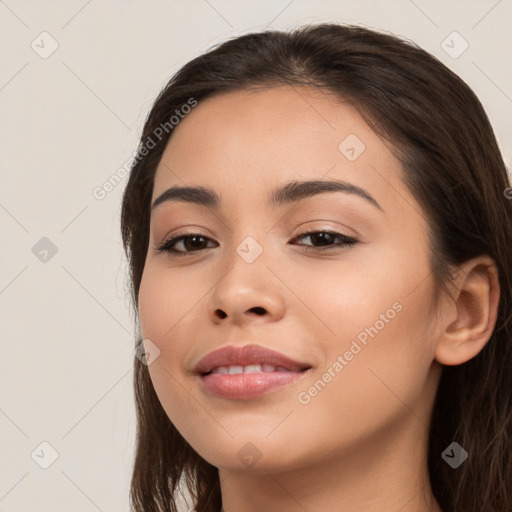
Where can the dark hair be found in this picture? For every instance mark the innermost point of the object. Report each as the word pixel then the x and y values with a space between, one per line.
pixel 452 165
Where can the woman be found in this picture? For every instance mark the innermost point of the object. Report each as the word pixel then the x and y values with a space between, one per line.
pixel 318 231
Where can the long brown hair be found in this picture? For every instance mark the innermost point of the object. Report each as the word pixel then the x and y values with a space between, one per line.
pixel 452 166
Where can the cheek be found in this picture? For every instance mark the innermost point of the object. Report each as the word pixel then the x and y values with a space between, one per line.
pixel 377 318
pixel 167 302
pixel 384 335
pixel 168 313
pixel 344 298
pixel 383 377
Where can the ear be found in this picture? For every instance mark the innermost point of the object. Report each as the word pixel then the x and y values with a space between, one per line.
pixel 469 321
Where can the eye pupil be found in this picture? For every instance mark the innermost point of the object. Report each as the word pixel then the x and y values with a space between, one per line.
pixel 194 241
pixel 323 236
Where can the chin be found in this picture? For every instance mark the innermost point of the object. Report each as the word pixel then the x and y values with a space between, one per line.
pixel 249 459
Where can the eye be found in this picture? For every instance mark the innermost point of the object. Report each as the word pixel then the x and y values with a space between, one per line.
pixel 195 242
pixel 326 239
pixel 191 242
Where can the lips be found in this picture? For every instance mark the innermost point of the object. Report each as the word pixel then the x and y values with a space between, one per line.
pixel 246 356
pixel 248 372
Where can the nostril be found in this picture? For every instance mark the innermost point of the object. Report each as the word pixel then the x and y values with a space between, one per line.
pixel 258 310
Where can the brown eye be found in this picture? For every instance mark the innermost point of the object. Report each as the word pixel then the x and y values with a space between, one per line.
pixel 326 240
pixel 192 242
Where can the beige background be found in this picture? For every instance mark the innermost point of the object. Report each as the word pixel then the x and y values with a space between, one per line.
pixel 71 120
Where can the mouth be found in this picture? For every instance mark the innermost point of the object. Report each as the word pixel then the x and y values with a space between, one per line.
pixel 248 372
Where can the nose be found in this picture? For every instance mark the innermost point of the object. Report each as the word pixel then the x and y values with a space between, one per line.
pixel 246 292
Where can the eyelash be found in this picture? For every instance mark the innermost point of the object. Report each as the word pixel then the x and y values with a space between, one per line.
pixel 166 246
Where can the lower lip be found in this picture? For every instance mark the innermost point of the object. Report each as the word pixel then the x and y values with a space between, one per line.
pixel 244 386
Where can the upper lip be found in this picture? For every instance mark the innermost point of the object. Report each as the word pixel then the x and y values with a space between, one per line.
pixel 246 355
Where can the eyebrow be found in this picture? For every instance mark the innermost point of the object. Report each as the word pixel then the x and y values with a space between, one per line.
pixel 289 193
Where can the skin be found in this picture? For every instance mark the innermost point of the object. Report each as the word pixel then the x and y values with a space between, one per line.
pixel 361 442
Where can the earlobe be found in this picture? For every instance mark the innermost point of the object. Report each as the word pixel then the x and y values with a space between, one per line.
pixel 476 310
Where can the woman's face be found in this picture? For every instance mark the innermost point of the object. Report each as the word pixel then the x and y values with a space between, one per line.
pixel 357 315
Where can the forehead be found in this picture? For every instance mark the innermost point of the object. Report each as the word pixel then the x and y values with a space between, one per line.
pixel 251 140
